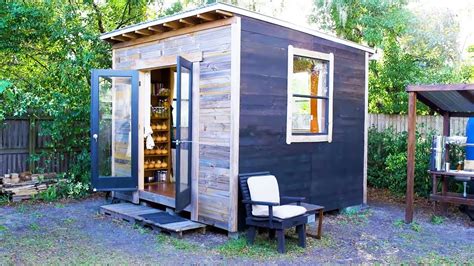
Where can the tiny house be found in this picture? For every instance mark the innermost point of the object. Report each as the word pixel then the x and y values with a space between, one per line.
pixel 196 98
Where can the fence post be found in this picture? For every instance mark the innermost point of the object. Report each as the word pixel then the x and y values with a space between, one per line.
pixel 32 143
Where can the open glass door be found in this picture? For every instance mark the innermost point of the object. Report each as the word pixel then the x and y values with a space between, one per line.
pixel 183 133
pixel 114 130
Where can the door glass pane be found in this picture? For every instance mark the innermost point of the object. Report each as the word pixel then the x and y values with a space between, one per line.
pixel 309 115
pixel 185 155
pixel 114 141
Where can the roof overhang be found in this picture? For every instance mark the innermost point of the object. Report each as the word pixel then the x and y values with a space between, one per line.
pixel 207 14
pixel 453 99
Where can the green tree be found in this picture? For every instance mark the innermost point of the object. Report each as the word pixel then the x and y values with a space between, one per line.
pixel 47 50
pixel 417 47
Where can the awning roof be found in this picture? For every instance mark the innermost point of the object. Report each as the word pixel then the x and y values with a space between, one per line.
pixel 455 99
pixel 207 14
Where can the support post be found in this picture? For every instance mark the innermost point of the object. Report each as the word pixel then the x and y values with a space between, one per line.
pixel 444 187
pixel 411 156
pixel 32 144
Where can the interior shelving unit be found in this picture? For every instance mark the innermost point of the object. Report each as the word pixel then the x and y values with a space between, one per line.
pixel 159 158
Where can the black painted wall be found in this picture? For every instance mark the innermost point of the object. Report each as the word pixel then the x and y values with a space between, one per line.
pixel 329 174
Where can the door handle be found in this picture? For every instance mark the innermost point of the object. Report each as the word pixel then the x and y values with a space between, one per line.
pixel 95 136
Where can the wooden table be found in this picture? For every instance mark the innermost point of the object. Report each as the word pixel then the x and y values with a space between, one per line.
pixel 317 211
pixel 449 197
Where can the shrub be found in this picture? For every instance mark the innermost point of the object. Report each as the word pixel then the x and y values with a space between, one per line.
pixel 387 161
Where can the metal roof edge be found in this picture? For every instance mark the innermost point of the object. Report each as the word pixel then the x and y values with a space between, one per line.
pixel 242 12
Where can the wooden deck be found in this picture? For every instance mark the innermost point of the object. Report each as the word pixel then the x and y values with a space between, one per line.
pixel 130 213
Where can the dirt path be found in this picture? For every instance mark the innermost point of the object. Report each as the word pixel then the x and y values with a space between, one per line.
pixel 73 232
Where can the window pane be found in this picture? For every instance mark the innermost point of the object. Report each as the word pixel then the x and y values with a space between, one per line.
pixel 310 76
pixel 309 115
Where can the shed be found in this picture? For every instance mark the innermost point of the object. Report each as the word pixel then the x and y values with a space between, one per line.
pixel 228 91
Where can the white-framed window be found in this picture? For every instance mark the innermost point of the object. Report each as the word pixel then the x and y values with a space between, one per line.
pixel 310 96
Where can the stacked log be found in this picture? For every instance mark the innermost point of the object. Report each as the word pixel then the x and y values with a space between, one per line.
pixel 29 186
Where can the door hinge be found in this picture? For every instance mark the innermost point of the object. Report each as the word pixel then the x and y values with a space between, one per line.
pixel 139 83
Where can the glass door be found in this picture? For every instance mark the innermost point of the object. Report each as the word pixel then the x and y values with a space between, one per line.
pixel 183 133
pixel 114 130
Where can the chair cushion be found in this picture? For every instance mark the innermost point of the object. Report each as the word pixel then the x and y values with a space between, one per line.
pixel 263 188
pixel 282 212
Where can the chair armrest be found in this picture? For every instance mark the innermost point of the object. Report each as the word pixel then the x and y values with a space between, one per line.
pixel 260 203
pixel 287 200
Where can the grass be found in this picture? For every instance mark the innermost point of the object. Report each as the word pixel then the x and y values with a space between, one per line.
pixel 3 228
pixel 35 227
pixel 434 258
pixel 69 221
pixel 4 199
pixel 264 248
pixel 22 208
pixel 354 216
pixel 142 230
pixel 67 247
pixel 399 223
pixel 437 220
pixel 180 244
pixel 415 227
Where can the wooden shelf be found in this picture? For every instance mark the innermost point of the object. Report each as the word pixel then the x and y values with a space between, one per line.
pixel 160 118
pixel 156 169
pixel 156 155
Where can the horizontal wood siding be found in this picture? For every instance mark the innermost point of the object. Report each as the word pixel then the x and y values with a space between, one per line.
pixel 214 110
pixel 329 174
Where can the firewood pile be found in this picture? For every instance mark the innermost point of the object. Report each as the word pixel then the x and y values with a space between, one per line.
pixel 18 187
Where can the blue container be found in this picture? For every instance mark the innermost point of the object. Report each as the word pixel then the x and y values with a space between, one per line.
pixel 470 139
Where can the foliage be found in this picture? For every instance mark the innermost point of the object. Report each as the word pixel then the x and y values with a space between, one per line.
pixel 50 194
pixel 417 46
pixel 46 53
pixel 387 161
pixel 437 220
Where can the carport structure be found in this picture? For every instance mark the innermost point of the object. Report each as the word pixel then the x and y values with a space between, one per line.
pixel 449 100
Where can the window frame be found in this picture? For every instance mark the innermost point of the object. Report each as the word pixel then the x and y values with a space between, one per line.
pixel 309 137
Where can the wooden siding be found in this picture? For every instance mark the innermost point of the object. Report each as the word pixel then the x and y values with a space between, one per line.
pixel 214 110
pixel 424 123
pixel 22 137
pixel 329 174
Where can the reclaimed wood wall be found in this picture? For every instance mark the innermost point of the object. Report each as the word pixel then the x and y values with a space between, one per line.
pixel 214 109
pixel 329 174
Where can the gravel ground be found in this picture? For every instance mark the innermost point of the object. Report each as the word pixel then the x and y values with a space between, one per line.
pixel 73 232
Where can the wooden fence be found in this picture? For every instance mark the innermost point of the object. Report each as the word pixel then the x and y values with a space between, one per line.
pixel 424 124
pixel 20 140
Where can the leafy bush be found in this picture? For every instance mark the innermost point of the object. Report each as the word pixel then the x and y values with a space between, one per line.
pixel 387 161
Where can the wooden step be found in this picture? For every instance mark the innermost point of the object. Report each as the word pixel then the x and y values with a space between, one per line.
pixel 130 213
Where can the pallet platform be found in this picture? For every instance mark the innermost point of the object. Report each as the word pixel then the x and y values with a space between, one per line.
pixel 130 213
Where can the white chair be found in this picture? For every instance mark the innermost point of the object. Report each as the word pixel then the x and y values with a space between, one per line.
pixel 267 209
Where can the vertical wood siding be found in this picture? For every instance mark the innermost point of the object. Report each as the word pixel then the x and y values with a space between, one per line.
pixel 15 148
pixel 329 174
pixel 214 116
